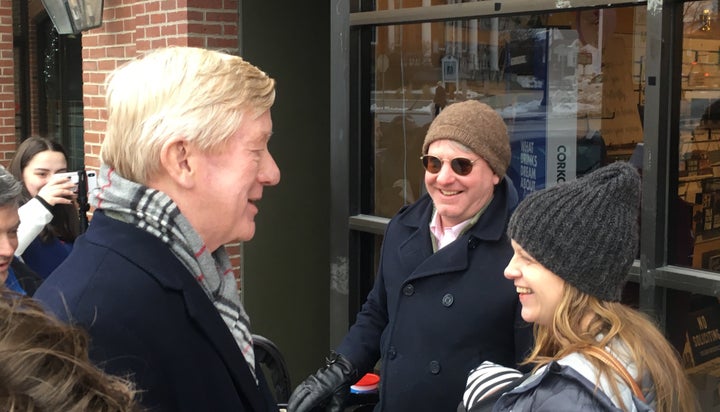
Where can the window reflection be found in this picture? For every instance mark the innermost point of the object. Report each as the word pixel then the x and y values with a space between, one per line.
pixel 695 223
pixel 568 85
pixel 378 5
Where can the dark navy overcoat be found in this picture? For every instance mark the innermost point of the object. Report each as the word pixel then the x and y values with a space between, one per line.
pixel 149 319
pixel 432 317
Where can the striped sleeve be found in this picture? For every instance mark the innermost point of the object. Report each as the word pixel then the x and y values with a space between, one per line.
pixel 486 379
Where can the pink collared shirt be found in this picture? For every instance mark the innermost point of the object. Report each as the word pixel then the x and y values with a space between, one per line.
pixel 445 235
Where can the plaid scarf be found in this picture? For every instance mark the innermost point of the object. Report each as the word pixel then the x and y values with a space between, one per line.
pixel 157 214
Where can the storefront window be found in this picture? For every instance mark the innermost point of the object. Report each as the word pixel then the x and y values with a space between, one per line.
pixel 568 85
pixel 404 4
pixel 60 93
pixel 389 5
pixel 696 224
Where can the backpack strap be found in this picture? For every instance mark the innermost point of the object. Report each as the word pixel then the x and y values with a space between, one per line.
pixel 612 361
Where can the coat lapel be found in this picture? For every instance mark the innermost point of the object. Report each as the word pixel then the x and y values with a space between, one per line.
pixel 153 255
pixel 416 250
pixel 422 262
pixel 208 320
pixel 451 258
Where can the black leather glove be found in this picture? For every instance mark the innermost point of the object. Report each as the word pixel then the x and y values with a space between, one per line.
pixel 328 387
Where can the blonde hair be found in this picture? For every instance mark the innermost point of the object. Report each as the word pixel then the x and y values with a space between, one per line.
pixel 44 364
pixel 200 95
pixel 648 349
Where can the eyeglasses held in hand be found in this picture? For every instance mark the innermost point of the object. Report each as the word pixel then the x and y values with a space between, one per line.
pixel 459 165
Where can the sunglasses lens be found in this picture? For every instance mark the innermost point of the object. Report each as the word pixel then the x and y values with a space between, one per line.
pixel 461 166
pixel 432 164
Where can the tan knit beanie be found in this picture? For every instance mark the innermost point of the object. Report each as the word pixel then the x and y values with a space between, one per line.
pixel 477 126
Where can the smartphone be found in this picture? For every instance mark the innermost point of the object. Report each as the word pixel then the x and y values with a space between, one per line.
pixel 75 178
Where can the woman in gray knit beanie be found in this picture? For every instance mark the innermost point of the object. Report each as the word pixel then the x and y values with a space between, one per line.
pixel 574 244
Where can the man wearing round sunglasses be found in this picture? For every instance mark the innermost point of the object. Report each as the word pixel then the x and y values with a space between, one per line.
pixel 440 302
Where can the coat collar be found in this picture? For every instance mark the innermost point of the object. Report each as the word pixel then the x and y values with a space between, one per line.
pixel 156 258
pixel 490 227
pixel 538 382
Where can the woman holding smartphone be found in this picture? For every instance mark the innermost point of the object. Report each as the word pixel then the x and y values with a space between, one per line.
pixel 49 220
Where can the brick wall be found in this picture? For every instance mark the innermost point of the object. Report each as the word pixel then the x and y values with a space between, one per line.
pixel 133 27
pixel 34 79
pixel 7 83
pixel 129 28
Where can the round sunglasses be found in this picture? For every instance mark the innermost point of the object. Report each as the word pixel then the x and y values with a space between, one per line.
pixel 459 165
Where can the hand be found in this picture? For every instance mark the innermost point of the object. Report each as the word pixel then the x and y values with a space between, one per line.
pixel 58 190
pixel 329 387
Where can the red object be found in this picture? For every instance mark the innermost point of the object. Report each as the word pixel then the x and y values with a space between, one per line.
pixel 367 383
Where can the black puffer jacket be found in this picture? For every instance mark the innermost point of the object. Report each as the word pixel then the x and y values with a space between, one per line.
pixel 560 387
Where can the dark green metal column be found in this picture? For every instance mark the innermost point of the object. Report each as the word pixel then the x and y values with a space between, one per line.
pixel 660 124
pixel 286 265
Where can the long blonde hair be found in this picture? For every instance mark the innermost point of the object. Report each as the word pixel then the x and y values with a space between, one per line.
pixel 648 349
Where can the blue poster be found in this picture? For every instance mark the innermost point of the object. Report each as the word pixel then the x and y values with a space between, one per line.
pixel 542 119
pixel 528 143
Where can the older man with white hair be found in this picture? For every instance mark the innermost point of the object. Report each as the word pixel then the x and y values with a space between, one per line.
pixel 184 163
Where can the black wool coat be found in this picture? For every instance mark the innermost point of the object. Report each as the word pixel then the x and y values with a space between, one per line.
pixel 149 319
pixel 432 317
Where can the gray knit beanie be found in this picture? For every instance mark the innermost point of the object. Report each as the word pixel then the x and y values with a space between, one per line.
pixel 477 126
pixel 585 231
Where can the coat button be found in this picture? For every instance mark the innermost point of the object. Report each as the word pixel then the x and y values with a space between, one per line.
pixel 408 290
pixel 434 367
pixel 448 300
pixel 392 352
